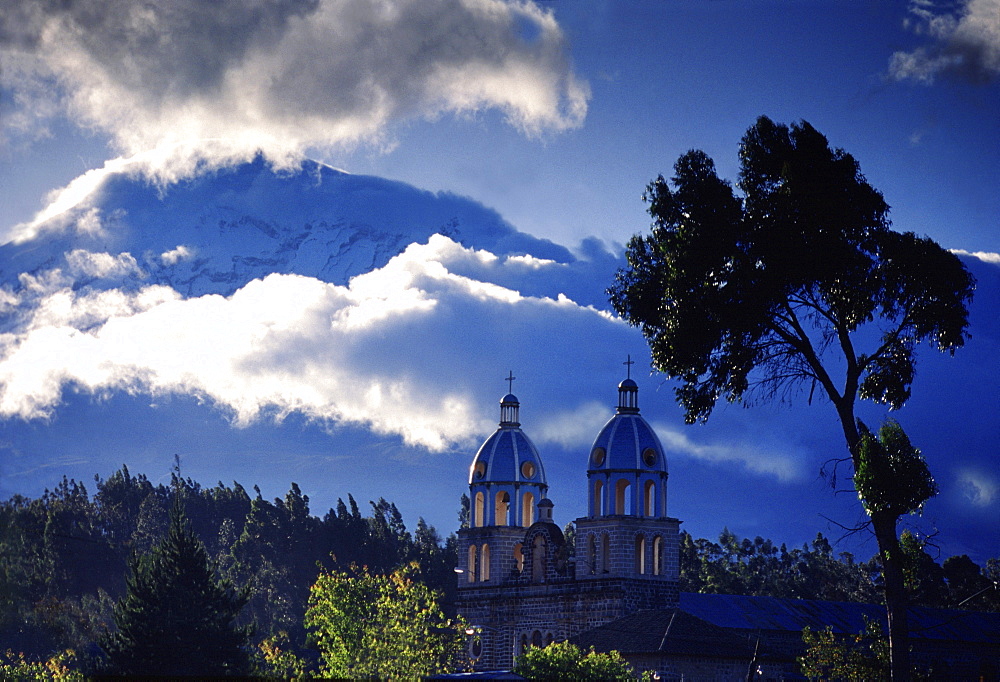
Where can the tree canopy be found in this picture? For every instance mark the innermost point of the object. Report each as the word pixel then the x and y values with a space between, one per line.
pixel 565 661
pixel 379 626
pixel 752 297
pixel 176 617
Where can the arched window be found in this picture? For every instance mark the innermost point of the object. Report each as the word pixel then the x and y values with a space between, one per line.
pixel 472 564
pixel 621 496
pixel 484 563
pixel 528 510
pixel 598 498
pixel 479 519
pixel 605 553
pixel 592 554
pixel 640 555
pixel 538 559
pixel 524 643
pixel 519 557
pixel 536 638
pixel 502 507
pixel 649 499
pixel 657 555
pixel 548 638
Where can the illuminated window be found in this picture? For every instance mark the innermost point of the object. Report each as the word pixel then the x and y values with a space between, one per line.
pixel 480 512
pixel 598 498
pixel 472 564
pixel 528 470
pixel 528 510
pixel 484 563
pixel 640 555
pixel 621 497
pixel 502 507
pixel 649 499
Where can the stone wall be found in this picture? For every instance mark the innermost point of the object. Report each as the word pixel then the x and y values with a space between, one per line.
pixel 511 614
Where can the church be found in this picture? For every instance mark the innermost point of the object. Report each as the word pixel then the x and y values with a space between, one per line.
pixel 520 584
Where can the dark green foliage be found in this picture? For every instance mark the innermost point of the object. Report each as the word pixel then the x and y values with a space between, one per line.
pixel 762 293
pixel 64 557
pixel 922 576
pixel 176 617
pixel 970 587
pixel 759 568
pixel 890 475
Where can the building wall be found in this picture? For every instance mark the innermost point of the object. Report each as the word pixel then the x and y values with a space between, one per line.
pixel 547 597
pixel 510 614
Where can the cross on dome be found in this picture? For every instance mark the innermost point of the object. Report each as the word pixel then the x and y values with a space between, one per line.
pixel 510 381
pixel 628 363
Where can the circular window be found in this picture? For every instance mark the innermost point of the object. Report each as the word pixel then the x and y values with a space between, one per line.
pixel 597 457
pixel 528 470
pixel 649 456
pixel 480 469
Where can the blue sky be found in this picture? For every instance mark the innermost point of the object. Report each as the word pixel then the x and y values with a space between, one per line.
pixel 555 115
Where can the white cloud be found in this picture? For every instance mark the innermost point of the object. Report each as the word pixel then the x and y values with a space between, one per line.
pixel 985 256
pixel 781 465
pixel 174 256
pixel 979 488
pixel 375 353
pixel 575 428
pixel 965 43
pixel 88 264
pixel 219 81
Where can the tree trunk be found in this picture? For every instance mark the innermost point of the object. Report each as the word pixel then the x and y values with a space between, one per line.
pixel 884 525
pixel 890 552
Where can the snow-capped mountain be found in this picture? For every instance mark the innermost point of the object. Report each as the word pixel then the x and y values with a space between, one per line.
pixel 351 333
pixel 216 232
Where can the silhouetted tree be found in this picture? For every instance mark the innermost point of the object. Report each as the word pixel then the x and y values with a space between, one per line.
pixel 760 297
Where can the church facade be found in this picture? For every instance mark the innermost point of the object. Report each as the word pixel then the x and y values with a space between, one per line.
pixel 518 586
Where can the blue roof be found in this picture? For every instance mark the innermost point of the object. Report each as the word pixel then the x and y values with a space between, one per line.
pixel 504 454
pixel 774 613
pixel 625 438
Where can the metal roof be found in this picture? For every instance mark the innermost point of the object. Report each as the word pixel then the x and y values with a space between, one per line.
pixel 777 614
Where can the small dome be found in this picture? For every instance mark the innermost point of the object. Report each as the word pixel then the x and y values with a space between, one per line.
pixel 510 398
pixel 627 441
pixel 629 384
pixel 508 456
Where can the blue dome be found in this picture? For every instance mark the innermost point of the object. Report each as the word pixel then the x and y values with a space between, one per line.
pixel 508 456
pixel 628 442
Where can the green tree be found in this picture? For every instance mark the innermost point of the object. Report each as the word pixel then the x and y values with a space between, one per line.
pixel 176 618
pixel 60 667
pixel 762 297
pixel 367 625
pixel 565 661
pixel 859 658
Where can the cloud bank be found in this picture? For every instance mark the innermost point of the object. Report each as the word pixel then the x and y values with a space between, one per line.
pixel 219 81
pixel 374 353
pixel 964 43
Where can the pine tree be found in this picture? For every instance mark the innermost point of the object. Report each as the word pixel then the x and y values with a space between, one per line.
pixel 176 618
